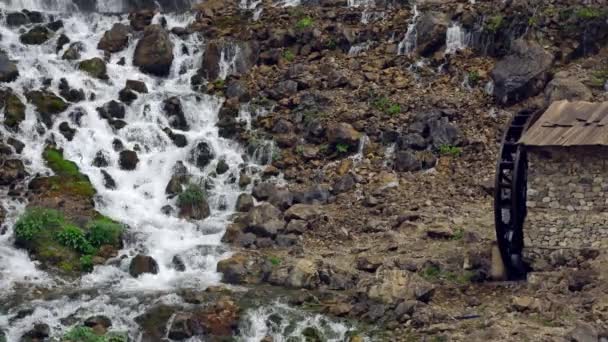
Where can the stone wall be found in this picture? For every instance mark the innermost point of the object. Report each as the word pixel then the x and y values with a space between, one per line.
pixel 567 198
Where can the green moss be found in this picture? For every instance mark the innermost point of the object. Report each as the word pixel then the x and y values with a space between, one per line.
pixel 589 13
pixel 95 67
pixel 494 23
pixel 82 334
pixel 342 148
pixel 104 231
pixel 69 179
pixel 192 195
pixel 275 261
pixel 288 55
pixel 62 167
pixel 449 150
pixel 304 23
pixel 14 111
pixel 473 77
pixel 86 263
pixel 385 105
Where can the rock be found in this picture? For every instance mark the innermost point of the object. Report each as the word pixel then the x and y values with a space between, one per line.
pixel 303 275
pixel 174 112
pixel 8 69
pixel 305 212
pixel 283 90
pixel 344 184
pixel 127 96
pixel 61 42
pixel 584 332
pixel 180 327
pixel 95 67
pixel 36 36
pixel 14 111
pixel 17 144
pixel 406 161
pixel 287 240
pixel 431 30
pixel 108 181
pixel 179 140
pixel 72 95
pixel 238 89
pixel 128 160
pixel 281 198
pixel 141 264
pixel 101 159
pixel 98 323
pixel 246 58
pixel 55 25
pixel 564 87
pixel 40 332
pixel 343 134
pixel 521 74
pixel 234 269
pixel 526 303
pixel 153 323
pixel 47 104
pixel 262 191
pixel 73 51
pixel 12 171
pixel 193 204
pixel 201 155
pixel 265 220
pixel 178 263
pixel 67 131
pixel 112 109
pixel 141 19
pixel 395 285
pixel 296 227
pixel 368 264
pixel 16 19
pixel 154 52
pixel 34 16
pixel 115 39
pixel 178 180
pixel 137 86
pixel 221 167
pixel 244 203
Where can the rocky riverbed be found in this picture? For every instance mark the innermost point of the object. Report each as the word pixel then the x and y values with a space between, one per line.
pixel 280 170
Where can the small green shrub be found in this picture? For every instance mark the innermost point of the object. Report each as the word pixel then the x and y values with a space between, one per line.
pixel 192 195
pixel 473 77
pixel 458 234
pixel 342 148
pixel 533 21
pixel 275 261
pixel 331 44
pixel 386 105
pixel 36 220
pixel 288 55
pixel 299 149
pixel 218 84
pixel 394 109
pixel 431 273
pixel 82 334
pixel 86 263
pixel 304 23
pixel 104 232
pixel 73 237
pixel 589 13
pixel 495 23
pixel 449 150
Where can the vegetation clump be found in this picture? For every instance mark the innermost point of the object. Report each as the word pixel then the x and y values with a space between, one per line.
pixel 191 196
pixel 495 23
pixel 67 179
pixel 86 334
pixel 449 150
pixel 304 23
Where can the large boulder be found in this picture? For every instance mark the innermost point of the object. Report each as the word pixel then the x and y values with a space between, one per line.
pixel 141 264
pixel 201 154
pixel 245 53
pixel 36 36
pixel 154 51
pixel 115 39
pixel 565 87
pixel 47 104
pixel 95 67
pixel 8 69
pixel 128 160
pixel 175 113
pixel 17 19
pixel 193 204
pixel 14 110
pixel 11 171
pixel 392 286
pixel 343 134
pixel 431 31
pixel 521 74
pixel 265 220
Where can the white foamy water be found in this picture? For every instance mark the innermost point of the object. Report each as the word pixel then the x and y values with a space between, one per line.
pixel 408 44
pixel 103 6
pixel 456 39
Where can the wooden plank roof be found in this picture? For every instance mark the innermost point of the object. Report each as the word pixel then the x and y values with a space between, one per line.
pixel 567 123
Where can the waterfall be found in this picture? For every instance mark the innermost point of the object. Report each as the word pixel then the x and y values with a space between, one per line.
pixel 408 44
pixel 102 6
pixel 456 39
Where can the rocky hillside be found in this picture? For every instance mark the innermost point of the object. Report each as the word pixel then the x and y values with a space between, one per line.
pixel 376 201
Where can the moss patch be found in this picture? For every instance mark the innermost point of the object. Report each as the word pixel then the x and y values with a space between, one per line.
pixel 86 334
pixel 68 179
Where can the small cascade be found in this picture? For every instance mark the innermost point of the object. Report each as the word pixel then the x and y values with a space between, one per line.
pixel 287 3
pixel 359 48
pixel 101 6
pixel 228 59
pixel 408 44
pixel 456 39
pixel 252 5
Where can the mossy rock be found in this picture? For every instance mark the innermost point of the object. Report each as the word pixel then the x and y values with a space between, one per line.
pixel 14 112
pixel 312 335
pixel 68 179
pixel 47 104
pixel 95 67
pixel 153 323
pixel 87 334
pixel 36 36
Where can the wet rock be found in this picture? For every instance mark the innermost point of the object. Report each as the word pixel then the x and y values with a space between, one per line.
pixel 14 110
pixel 181 328
pixel 55 25
pixel 175 113
pixel 117 145
pixel 246 58
pixel 95 67
pixel 262 191
pixel 305 212
pixel 193 204
pixel 343 133
pixel 72 95
pixel 137 86
pixel 178 263
pixel 222 167
pixel 127 96
pixel 201 155
pixel 128 160
pixel 117 124
pixel 565 87
pixel 99 324
pixel 179 178
pixel 112 109
pixel 265 220
pixel 108 181
pixel 17 144
pixel 141 264
pixel 16 19
pixel 39 333
pixel 73 51
pixel 67 131
pixel 34 16
pixel 244 203
pixel 154 52
pixel 47 105
pixel 101 159
pixel 179 140
pixel 153 323
pixel 431 31
pixel 36 36
pixel 141 19
pixel 61 42
pixel 8 69
pixel 521 74
pixel 11 171
pixel 115 39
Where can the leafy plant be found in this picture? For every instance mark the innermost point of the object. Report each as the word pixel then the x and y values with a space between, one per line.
pixel 36 220
pixel 394 109
pixel 458 234
pixel 473 77
pixel 331 44
pixel 103 232
pixel 86 263
pixel 82 334
pixel 589 13
pixel 304 23
pixel 387 106
pixel 449 150
pixel 495 23
pixel 192 195
pixel 73 237
pixel 275 261
pixel 299 149
pixel 219 83
pixel 342 148
pixel 599 78
pixel 288 55
pixel 533 21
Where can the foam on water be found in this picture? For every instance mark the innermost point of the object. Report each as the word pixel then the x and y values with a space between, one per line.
pixel 456 39
pixel 408 44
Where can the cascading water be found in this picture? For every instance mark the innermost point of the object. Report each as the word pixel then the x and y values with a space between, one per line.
pixel 101 6
pixel 139 197
pixel 408 44
pixel 456 39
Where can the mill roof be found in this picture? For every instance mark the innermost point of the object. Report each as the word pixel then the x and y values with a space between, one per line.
pixel 567 123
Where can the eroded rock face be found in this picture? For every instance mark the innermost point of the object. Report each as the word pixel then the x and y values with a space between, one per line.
pixel 245 53
pixel 566 87
pixel 154 51
pixel 521 74
pixel 431 32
